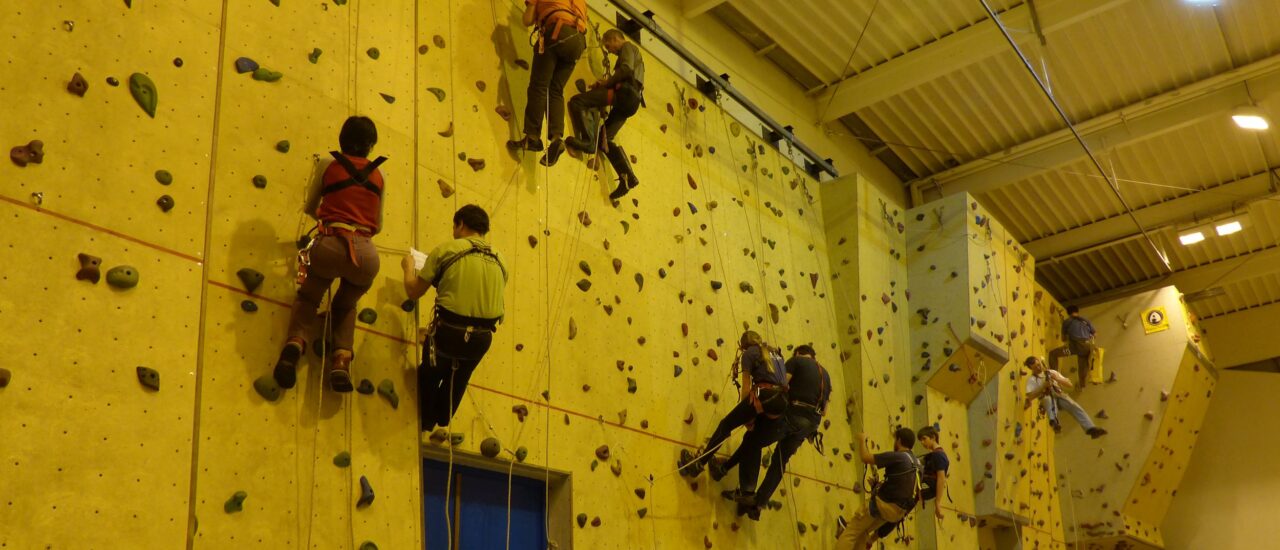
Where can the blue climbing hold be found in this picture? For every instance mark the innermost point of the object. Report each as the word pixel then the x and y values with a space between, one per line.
pixel 246 65
pixel 692 209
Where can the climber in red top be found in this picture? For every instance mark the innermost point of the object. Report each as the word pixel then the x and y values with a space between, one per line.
pixel 349 212
pixel 560 27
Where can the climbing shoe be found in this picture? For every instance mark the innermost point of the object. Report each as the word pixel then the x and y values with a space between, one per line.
pixel 750 510
pixel 688 465
pixel 286 371
pixel 340 374
pixel 553 153
pixel 1096 432
pixel 527 143
pixel 620 191
pixel 716 470
pixel 579 145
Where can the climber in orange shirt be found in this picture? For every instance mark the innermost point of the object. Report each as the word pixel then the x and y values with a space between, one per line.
pixel 560 28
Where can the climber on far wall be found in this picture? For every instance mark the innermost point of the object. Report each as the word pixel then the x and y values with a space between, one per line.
pixel 764 392
pixel 623 92
pixel 347 203
pixel 1078 333
pixel 560 28
pixel 470 282
pixel 1046 385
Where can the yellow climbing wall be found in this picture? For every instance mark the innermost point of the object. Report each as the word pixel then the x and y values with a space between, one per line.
pixel 869 286
pixel 1157 391
pixel 715 204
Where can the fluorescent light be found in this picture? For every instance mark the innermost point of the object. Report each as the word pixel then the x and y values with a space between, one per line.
pixel 1191 237
pixel 1250 118
pixel 1227 228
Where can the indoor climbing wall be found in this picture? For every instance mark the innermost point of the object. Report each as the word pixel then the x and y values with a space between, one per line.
pixel 186 163
pixel 865 245
pixel 1157 389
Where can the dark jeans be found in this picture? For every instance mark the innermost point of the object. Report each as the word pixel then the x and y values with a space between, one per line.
pixel 626 101
pixel 331 259
pixel 799 426
pixel 1083 350
pixel 741 414
pixel 442 385
pixel 548 75
pixel 765 432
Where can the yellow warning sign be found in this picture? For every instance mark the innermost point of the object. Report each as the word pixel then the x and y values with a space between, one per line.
pixel 1155 320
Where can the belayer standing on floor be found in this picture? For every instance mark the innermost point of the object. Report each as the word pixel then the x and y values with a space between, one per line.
pixel 470 280
pixel 764 393
pixel 933 479
pixel 808 391
pixel 1078 333
pixel 349 214
pixel 623 93
pixel 893 499
pixel 560 28
pixel 1046 386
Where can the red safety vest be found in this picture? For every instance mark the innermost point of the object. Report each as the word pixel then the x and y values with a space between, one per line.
pixel 352 192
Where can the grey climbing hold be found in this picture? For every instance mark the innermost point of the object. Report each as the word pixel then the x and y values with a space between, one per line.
pixel 490 447
pixel 5 376
pixel 267 387
pixel 282 146
pixel 112 81
pixel 122 276
pixel 365 387
pixel 260 181
pixel 264 74
pixel 582 520
pixel 639 282
pixel 368 544
pixel 368 316
pixel 373 53
pixel 245 65
pixel 314 57
pixel 408 305
pixel 679 370
pixel 235 503
pixel 78 85
pixel 149 378
pixel 342 459
pixel 250 278
pixel 456 439
pixel 387 389
pixel 439 93
pixel 164 177
pixel 249 306
pixel 89 268
pixel 716 285
pixel 585 267
pixel 144 92
pixel 388 98
pixel 746 287
pixel 642 512
pixel 275 3
pixel 366 493
pixel 631 385
pixel 584 285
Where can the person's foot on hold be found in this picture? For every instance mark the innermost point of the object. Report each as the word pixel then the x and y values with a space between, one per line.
pixel 1096 432
pixel 527 143
pixel 553 153
pixel 621 191
pixel 340 372
pixel 716 470
pixel 579 145
pixel 689 466
pixel 744 498
pixel 286 371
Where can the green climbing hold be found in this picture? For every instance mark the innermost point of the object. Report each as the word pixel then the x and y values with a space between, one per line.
pixel 456 439
pixel 144 92
pixel 122 276
pixel 368 316
pixel 387 389
pixel 373 53
pixel 260 181
pixel 586 268
pixel 149 378
pixel 490 447
pixel 438 93
pixel 250 278
pixel 165 202
pixel 282 146
pixel 626 227
pixel 235 503
pixel 342 460
pixel 521 454
pixel 365 387
pixel 315 55
pixel 264 74
pixel 249 306
pixel 164 177
pixel 388 98
pixel 267 387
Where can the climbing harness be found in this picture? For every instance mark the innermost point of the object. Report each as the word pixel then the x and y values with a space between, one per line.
pixel 356 176
pixel 476 248
pixel 562 12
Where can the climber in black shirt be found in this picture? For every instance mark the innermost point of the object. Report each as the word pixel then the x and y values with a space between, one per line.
pixel 894 497
pixel 933 479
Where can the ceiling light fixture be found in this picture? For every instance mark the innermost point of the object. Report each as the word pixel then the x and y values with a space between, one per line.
pixel 1191 237
pixel 1250 118
pixel 1227 227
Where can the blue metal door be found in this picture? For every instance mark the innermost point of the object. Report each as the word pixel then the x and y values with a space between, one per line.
pixel 477 509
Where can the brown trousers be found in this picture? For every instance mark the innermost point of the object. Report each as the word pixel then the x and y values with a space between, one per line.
pixel 864 524
pixel 330 260
pixel 1083 350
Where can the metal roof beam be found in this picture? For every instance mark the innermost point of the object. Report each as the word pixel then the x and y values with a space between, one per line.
pixel 1195 279
pixel 951 53
pixel 694 8
pixel 1142 120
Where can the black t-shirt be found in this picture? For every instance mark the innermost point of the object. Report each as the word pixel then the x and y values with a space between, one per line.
pixel 934 462
pixel 760 366
pixel 809 382
pixel 899 485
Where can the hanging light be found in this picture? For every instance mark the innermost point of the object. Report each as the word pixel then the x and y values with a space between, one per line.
pixel 1250 118
pixel 1190 237
pixel 1229 226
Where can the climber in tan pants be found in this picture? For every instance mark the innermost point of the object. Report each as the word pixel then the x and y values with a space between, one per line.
pixel 893 499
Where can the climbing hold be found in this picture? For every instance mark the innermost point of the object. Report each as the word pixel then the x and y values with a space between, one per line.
pixel 438 41
pixel 387 389
pixel 716 285
pixel 617 266
pixel 78 85
pixel 263 74
pixel 245 65
pixel 368 316
pixel 735 129
pixel 89 268
pixel 573 328
pixel 585 267
pixel 602 452
pixel 692 183
pixel 235 503
pixel 616 467
pixel 1102 414
pixel 522 64
pixel 388 98
pixel 267 387
pixel 112 81
pixel 32 152
pixel 521 412
pixel 144 92
pixel 490 447
pixel 368 544
pixel 250 278
pixel 314 56
pixel 249 306
pixel 438 436
pixel 711 354
pixel 149 378
pixel 366 493
pixel 746 287
pixel 533 241
pixel 283 146
pixel 476 164
pixel 503 111
pixel 1164 395
pixel 365 387
pixel 639 282
pixel 582 520
pixel 456 439
pixel 521 454
pixel 1149 416
pixel 423 49
pixel 480 85
pixel 631 385
pixel 373 53
pixel 642 512
pixel 342 459
pixel 626 226
pixel 439 93
pixel 678 371
pixel 122 276
pixel 5 376
pixel 584 218
pixel 260 181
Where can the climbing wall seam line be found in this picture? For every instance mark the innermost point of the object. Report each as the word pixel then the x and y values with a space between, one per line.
pixel 101 229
